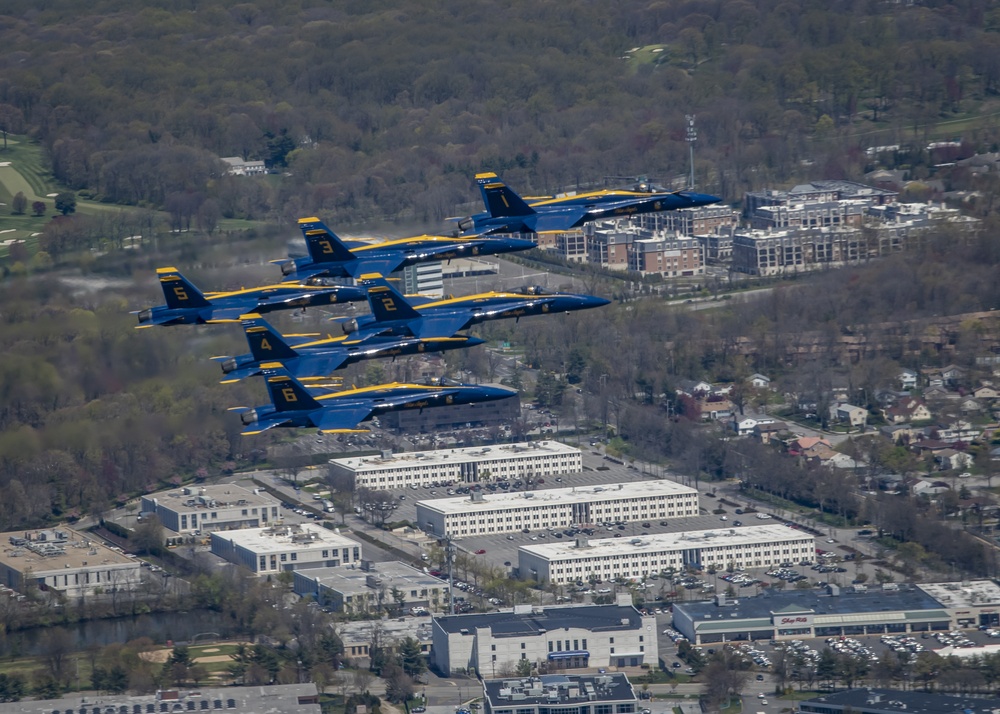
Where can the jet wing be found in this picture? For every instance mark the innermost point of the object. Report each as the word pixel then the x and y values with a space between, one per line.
pixel 441 325
pixel 382 265
pixel 342 419
pixel 317 366
pixel 226 314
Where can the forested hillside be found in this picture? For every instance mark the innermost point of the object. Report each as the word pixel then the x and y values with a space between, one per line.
pixel 383 110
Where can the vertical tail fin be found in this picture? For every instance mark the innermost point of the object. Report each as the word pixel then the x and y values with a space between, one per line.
pixel 387 303
pixel 179 291
pixel 287 393
pixel 266 343
pixel 323 244
pixel 500 200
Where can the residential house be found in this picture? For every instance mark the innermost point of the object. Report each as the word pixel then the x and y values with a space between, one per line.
pixel 938 392
pixel 919 486
pixel 948 376
pixel 841 461
pixel 744 425
pixel 899 433
pixel 853 415
pixel 716 409
pixel 693 387
pixel 907 379
pixel 949 459
pixel 760 381
pixel 958 430
pixel 802 445
pixel 907 411
pixel 970 406
pixel 986 391
pixel 765 432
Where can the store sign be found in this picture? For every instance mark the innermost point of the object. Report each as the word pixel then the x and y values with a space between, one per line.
pixel 793 620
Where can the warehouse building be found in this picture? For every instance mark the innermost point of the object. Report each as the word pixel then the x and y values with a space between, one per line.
pixel 561 694
pixel 65 561
pixel 468 465
pixel 799 614
pixel 637 558
pixel 371 587
pixel 294 547
pixel 552 638
pixel 209 508
pixel 507 512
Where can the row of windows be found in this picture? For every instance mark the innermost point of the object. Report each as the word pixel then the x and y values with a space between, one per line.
pixel 190 705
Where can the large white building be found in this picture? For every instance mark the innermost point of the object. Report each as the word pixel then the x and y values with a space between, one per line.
pixel 507 512
pixel 559 638
pixel 294 547
pixel 209 508
pixel 470 465
pixel 636 558
pixel 66 561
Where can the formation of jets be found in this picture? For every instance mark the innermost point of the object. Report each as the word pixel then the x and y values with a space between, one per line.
pixel 294 367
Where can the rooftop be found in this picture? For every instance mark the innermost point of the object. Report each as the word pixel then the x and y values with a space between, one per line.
pixel 964 594
pixel 56 549
pixel 555 689
pixel 307 536
pixel 394 629
pixel 211 496
pixel 245 700
pixel 892 700
pixel 350 580
pixel 802 601
pixel 468 454
pixel 519 624
pixel 562 496
pixel 715 538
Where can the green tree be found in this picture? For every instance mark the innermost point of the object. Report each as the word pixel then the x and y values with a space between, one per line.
pixel 65 202
pixel 19 203
pixel 411 659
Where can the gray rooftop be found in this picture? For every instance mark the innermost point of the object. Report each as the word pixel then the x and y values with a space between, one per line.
pixel 847 603
pixel 892 701
pixel 275 699
pixel 556 689
pixel 517 624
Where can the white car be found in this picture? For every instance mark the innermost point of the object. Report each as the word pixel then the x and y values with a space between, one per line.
pixel 764 516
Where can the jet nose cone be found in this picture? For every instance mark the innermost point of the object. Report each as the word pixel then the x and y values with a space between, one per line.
pixel 699 199
pixel 593 301
pixel 497 392
pixel 473 341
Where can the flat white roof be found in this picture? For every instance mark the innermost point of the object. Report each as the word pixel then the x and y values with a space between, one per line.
pixel 351 579
pixel 561 496
pixel 449 456
pixel 55 549
pixel 307 536
pixel 658 542
pixel 970 593
pixel 212 496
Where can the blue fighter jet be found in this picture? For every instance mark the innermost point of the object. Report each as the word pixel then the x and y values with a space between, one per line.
pixel 333 257
pixel 416 316
pixel 507 212
pixel 187 305
pixel 310 359
pixel 293 405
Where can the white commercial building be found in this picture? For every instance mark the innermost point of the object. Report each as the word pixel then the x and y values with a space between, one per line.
pixel 63 560
pixel 293 547
pixel 209 508
pixel 636 558
pixel 558 638
pixel 508 512
pixel 469 465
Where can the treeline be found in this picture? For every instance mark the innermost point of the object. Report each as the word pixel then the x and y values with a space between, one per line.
pixel 384 110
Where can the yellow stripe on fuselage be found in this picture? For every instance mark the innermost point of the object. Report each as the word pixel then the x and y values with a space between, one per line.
pixel 596 194
pixel 405 241
pixel 262 288
pixel 382 388
pixel 472 299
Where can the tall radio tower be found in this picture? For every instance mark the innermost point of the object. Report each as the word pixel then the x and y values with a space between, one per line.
pixel 692 136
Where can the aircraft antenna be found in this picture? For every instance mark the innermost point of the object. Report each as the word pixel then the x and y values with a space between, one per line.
pixel 691 138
